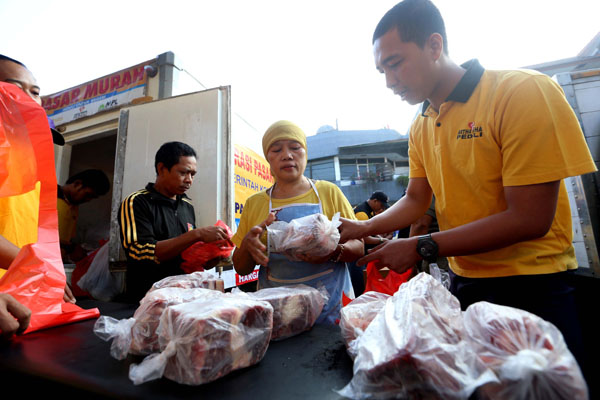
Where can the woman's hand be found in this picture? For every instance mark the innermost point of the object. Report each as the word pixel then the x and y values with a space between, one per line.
pixel 252 244
pixel 352 229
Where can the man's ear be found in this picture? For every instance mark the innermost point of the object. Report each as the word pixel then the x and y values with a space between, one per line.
pixel 160 167
pixel 435 44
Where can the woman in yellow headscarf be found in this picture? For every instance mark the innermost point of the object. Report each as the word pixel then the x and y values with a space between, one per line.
pixel 293 196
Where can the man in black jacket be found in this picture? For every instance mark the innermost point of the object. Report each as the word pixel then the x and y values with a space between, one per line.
pixel 158 223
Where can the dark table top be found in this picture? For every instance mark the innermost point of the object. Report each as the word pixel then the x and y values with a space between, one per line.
pixel 71 360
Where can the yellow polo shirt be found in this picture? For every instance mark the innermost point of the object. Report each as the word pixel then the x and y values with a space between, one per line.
pixel 496 129
pixel 256 208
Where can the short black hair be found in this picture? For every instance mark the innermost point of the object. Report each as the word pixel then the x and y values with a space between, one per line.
pixel 5 58
pixel 169 154
pixel 415 20
pixel 92 178
pixel 379 195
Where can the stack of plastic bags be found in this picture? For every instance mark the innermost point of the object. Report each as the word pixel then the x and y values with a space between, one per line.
pixel 194 335
pixel 420 345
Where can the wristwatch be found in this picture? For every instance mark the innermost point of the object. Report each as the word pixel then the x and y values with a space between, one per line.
pixel 427 248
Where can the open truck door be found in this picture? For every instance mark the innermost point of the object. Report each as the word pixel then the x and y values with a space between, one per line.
pixel 200 119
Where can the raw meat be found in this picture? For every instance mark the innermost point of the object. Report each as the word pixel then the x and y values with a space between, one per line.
pixel 356 317
pixel 313 235
pixel 295 308
pixel 206 339
pixel 137 335
pixel 144 339
pixel 528 354
pixel 199 279
pixel 414 348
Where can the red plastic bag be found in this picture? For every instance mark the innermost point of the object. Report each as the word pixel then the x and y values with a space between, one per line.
pixel 196 257
pixel 388 285
pixel 36 278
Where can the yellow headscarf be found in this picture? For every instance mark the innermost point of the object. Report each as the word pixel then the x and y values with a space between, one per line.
pixel 283 130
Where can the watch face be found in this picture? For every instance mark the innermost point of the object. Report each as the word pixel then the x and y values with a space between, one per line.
pixel 427 249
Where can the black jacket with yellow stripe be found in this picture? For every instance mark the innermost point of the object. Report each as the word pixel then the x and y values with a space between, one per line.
pixel 146 217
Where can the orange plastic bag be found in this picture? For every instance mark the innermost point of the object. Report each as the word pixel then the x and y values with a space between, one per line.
pixel 196 257
pixel 388 285
pixel 36 278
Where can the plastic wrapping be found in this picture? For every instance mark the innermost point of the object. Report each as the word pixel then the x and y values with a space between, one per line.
pixel 206 339
pixel 295 308
pixel 313 235
pixel 201 255
pixel 356 317
pixel 388 284
pixel 137 335
pixel 199 279
pixel 98 280
pixel 440 275
pixel 528 354
pixel 36 277
pixel 414 348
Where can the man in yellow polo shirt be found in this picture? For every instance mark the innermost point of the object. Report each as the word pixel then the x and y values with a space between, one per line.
pixel 494 147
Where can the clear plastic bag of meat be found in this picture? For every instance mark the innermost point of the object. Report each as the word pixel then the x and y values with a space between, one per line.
pixel 206 339
pixel 414 348
pixel 356 317
pixel 313 235
pixel 295 308
pixel 137 335
pixel 198 279
pixel 440 275
pixel 528 354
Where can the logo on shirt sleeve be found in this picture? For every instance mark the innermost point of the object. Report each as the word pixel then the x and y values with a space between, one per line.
pixel 474 131
pixel 190 226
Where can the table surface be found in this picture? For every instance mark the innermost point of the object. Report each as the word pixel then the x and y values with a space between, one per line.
pixel 71 359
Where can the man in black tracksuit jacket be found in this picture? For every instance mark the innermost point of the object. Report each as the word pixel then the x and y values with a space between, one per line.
pixel 158 223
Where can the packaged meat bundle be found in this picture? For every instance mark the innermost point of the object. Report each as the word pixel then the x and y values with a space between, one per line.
pixel 528 354
pixel 206 339
pixel 199 279
pixel 414 348
pixel 312 235
pixel 356 317
pixel 295 308
pixel 137 335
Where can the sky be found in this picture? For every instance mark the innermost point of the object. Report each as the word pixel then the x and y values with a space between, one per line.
pixel 307 61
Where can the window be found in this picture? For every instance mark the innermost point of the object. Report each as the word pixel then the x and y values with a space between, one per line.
pixel 323 170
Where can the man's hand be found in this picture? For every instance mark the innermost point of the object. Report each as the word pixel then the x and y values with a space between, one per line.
pixel 14 317
pixel 252 244
pixel 398 255
pixel 68 296
pixel 212 233
pixel 351 229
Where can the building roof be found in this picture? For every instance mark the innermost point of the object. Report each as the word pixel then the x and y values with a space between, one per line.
pixel 327 143
pixel 588 58
pixel 393 150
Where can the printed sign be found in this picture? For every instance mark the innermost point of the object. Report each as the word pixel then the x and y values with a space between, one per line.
pixel 251 175
pixel 109 92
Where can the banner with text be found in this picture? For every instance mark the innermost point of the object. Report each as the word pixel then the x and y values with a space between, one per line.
pixel 251 175
pixel 109 92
